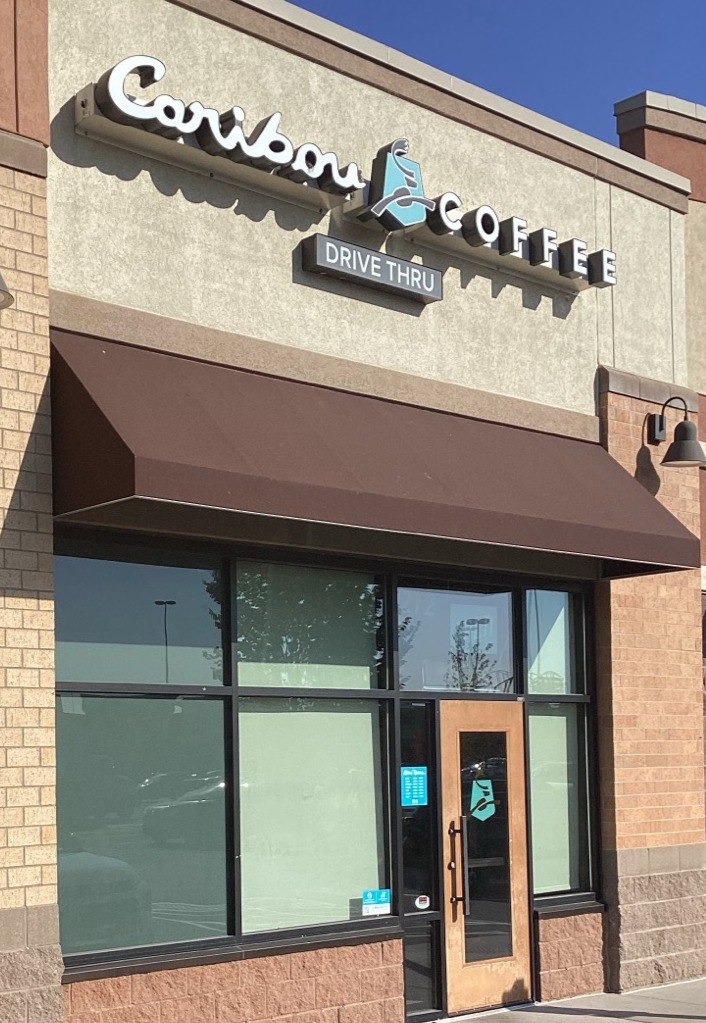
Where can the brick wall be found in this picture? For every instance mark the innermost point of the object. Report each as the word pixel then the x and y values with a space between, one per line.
pixel 24 105
pixel 30 963
pixel 651 735
pixel 570 955
pixel 353 984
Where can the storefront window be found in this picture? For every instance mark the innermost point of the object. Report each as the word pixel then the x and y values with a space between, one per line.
pixel 312 810
pixel 179 819
pixel 551 655
pixel 142 810
pixel 308 627
pixel 558 797
pixel 204 796
pixel 455 640
pixel 125 621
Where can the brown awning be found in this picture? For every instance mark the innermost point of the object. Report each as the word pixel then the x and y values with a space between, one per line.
pixel 132 424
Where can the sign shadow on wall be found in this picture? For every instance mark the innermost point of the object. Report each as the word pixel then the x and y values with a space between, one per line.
pixel 80 151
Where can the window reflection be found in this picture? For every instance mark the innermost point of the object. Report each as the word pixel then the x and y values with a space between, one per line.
pixel 308 627
pixel 485 818
pixel 550 648
pixel 123 621
pixel 453 640
pixel 141 815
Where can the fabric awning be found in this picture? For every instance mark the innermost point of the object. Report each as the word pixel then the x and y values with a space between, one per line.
pixel 135 424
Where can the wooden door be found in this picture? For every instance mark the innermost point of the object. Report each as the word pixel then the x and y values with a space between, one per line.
pixel 485 833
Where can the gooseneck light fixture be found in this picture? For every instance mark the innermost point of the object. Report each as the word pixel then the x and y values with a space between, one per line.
pixel 686 449
pixel 6 297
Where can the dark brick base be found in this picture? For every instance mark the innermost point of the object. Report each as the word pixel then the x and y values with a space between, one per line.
pixel 570 954
pixel 354 984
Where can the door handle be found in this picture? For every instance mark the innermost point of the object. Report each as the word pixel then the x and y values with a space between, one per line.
pixel 457 889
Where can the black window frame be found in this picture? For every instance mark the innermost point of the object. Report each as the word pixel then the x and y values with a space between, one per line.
pixel 102 545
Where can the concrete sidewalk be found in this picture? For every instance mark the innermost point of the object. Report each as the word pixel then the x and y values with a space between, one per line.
pixel 672 1003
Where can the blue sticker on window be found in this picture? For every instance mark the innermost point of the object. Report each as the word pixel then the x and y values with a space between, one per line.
pixel 482 799
pixel 415 788
pixel 376 902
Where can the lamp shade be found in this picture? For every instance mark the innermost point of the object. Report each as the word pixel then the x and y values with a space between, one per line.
pixel 6 297
pixel 685 450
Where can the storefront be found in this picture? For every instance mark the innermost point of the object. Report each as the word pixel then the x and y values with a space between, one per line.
pixel 270 747
pixel 375 617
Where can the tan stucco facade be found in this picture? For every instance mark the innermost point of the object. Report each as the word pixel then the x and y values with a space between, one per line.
pixel 695 297
pixel 229 260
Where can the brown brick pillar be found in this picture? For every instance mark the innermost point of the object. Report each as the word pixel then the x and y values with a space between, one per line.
pixel 651 749
pixel 30 960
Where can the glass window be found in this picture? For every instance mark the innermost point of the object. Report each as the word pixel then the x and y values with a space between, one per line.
pixel 141 815
pixel 487 906
pixel 123 621
pixel 422 966
pixel 557 790
pixel 312 810
pixel 310 627
pixel 454 640
pixel 419 871
pixel 551 658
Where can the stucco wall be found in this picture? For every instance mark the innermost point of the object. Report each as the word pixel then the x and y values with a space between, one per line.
pixel 131 231
pixel 695 294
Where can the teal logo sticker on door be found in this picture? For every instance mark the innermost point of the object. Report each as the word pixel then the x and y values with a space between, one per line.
pixel 482 799
pixel 396 188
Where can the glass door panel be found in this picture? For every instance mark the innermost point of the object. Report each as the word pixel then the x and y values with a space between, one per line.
pixel 487 903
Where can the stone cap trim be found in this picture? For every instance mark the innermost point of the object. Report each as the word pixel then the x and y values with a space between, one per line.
pixel 23 154
pixel 28 927
pixel 662 859
pixel 617 381
pixel 282 24
pixel 660 101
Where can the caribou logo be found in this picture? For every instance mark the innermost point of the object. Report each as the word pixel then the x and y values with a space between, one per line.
pixel 396 190
pixel 483 800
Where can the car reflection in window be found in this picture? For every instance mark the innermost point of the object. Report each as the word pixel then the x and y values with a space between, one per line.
pixel 195 818
pixel 101 896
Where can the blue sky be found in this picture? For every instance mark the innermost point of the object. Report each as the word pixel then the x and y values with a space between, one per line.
pixel 566 59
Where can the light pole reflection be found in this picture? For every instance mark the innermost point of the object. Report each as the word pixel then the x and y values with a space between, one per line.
pixel 477 622
pixel 166 604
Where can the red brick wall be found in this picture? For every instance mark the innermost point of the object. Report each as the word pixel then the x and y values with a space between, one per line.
pixel 570 955
pixel 650 735
pixel 649 645
pixel 24 104
pixel 353 984
pixel 670 149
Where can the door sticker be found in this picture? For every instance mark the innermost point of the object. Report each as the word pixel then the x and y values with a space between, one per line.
pixel 376 902
pixel 415 788
pixel 482 799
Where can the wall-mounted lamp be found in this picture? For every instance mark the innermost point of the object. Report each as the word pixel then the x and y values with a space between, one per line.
pixel 6 296
pixel 686 449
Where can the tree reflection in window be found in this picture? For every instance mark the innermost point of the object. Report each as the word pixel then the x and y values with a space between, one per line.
pixel 308 627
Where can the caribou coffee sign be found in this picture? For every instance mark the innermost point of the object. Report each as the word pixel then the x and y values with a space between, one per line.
pixel 394 197
pixel 398 201
pixel 265 147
